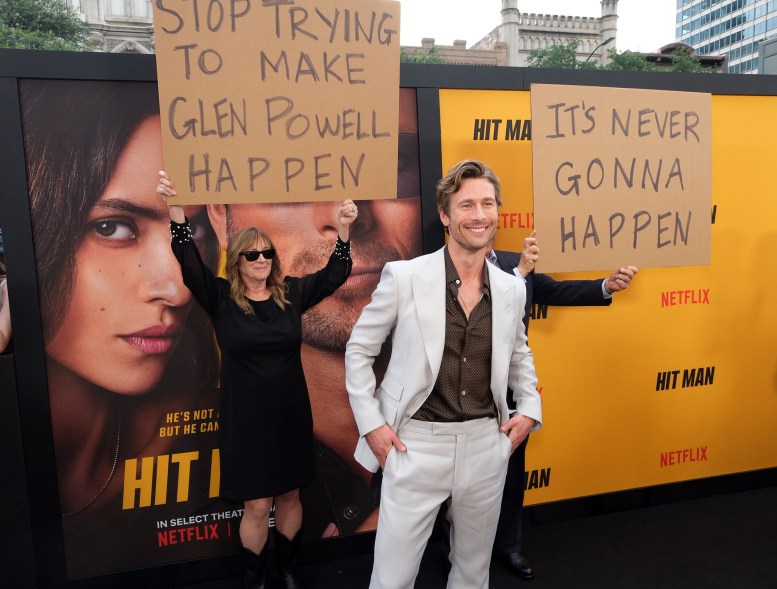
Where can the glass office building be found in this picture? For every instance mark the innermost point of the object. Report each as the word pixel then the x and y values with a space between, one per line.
pixel 734 28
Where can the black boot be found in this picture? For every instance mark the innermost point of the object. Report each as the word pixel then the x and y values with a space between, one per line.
pixel 255 567
pixel 288 550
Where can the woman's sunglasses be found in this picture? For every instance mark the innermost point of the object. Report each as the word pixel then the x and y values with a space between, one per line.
pixel 253 255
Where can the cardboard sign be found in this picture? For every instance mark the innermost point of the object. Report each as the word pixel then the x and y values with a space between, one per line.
pixel 279 100
pixel 621 177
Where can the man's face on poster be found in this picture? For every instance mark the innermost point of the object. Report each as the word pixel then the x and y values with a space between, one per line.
pixel 304 235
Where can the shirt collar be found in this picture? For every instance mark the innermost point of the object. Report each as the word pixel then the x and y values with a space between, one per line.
pixel 491 257
pixel 452 276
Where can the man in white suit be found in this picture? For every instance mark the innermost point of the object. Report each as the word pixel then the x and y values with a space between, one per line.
pixel 433 424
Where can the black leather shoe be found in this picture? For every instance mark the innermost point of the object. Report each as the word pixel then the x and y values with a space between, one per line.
pixel 520 565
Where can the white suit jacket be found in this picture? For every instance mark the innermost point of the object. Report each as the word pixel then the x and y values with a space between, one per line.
pixel 409 304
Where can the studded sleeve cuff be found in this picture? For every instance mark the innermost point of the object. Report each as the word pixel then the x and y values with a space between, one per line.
pixel 343 250
pixel 181 232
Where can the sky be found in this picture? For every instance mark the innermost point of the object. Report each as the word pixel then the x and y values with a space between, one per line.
pixel 642 25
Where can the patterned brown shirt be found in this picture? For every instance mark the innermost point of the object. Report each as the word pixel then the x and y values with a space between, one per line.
pixel 463 387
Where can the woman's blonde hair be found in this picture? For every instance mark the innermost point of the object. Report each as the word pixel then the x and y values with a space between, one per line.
pixel 245 240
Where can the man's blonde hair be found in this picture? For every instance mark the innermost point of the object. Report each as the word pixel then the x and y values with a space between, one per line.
pixel 451 183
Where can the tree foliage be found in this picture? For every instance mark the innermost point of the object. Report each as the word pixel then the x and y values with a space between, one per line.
pixel 431 55
pixel 564 56
pixel 628 61
pixel 683 61
pixel 42 24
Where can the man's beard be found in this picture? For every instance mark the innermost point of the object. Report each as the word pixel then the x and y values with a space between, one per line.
pixel 329 328
pixel 329 331
pixel 474 246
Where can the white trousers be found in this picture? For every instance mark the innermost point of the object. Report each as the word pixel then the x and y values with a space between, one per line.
pixel 464 462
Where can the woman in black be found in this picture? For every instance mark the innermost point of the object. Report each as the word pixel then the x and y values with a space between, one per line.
pixel 265 421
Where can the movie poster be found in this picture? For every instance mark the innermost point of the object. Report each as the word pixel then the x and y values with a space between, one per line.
pixel 132 364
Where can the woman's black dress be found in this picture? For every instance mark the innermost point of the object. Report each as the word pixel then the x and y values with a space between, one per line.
pixel 265 421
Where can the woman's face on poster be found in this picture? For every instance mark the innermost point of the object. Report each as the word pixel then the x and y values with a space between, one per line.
pixel 128 304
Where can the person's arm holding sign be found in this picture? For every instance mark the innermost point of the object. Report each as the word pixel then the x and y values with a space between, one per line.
pixel 529 255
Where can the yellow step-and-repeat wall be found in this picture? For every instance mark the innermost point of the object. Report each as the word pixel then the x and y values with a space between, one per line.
pixel 677 379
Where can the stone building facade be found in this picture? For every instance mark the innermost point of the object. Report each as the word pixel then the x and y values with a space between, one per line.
pixel 127 26
pixel 510 42
pixel 119 26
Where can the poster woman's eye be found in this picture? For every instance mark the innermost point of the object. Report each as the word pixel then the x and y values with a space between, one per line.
pixel 114 229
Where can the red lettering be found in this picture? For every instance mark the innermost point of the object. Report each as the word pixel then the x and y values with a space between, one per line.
pixel 699 296
pixel 673 457
pixel 516 220
pixel 189 534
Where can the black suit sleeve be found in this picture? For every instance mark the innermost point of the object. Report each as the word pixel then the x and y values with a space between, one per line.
pixel 567 293
pixel 541 289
